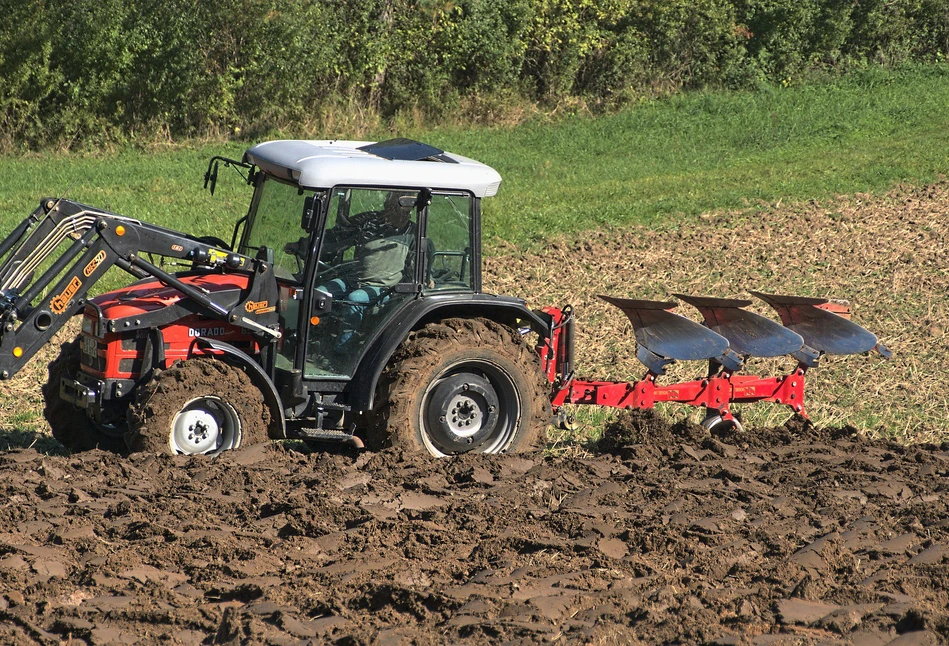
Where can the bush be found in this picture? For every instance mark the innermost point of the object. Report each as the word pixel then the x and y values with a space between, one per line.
pixel 81 72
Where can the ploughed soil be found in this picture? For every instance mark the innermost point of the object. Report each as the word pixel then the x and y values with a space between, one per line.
pixel 786 534
pixel 668 534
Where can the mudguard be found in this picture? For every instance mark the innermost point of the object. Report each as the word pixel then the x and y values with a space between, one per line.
pixel 257 375
pixel 417 313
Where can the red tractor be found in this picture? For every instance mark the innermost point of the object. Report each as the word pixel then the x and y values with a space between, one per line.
pixel 347 306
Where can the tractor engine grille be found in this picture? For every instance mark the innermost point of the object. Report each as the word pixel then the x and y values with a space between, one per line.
pixel 92 353
pixel 116 356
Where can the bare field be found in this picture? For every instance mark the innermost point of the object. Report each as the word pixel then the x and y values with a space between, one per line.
pixel 660 533
pixel 888 256
pixel 780 536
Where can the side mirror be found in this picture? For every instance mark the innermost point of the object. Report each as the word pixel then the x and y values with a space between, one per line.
pixel 210 177
pixel 311 209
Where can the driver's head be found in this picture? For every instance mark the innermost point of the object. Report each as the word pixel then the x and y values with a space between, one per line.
pixel 395 214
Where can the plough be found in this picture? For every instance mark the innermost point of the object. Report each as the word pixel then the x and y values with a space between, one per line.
pixel 812 327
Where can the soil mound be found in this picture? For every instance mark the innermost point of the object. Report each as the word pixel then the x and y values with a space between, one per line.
pixel 636 427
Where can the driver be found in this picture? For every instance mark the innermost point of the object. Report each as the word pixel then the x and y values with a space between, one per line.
pixel 382 242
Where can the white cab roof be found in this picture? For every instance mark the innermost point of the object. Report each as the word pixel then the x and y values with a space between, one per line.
pixel 323 164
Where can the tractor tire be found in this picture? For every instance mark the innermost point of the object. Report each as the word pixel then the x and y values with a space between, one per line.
pixel 459 386
pixel 201 406
pixel 69 424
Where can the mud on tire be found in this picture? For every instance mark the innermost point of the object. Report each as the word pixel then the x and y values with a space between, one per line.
pixel 69 424
pixel 461 385
pixel 198 406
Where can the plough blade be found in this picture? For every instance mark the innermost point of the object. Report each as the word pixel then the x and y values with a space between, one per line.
pixel 667 337
pixel 749 334
pixel 821 329
pixel 730 335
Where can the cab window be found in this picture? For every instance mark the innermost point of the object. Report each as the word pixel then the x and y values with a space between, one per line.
pixel 449 235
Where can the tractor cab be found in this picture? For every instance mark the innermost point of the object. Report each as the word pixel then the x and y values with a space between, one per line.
pixel 355 232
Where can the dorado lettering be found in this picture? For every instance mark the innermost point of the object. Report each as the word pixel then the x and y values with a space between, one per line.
pixel 207 331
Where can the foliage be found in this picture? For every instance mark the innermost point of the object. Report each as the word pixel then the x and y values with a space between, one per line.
pixel 84 72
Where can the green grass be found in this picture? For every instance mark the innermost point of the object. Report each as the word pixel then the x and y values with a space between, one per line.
pixel 715 150
pixel 160 186
pixel 679 156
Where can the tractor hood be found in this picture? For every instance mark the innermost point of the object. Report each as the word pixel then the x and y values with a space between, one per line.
pixel 151 301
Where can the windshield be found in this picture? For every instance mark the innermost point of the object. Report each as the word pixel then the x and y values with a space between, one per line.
pixel 273 234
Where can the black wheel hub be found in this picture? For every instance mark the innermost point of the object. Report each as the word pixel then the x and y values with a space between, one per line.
pixel 462 413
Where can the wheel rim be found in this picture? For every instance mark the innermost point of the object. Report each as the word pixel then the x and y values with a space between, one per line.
pixel 206 425
pixel 471 406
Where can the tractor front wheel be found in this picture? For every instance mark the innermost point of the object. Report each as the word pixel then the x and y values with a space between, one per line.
pixel 69 424
pixel 201 406
pixel 459 386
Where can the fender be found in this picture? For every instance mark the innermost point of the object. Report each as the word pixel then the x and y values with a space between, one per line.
pixel 257 376
pixel 504 309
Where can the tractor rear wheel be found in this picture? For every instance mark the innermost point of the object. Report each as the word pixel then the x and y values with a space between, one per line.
pixel 201 406
pixel 69 424
pixel 459 386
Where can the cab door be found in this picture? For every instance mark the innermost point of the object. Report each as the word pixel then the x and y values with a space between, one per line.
pixel 366 272
pixel 274 233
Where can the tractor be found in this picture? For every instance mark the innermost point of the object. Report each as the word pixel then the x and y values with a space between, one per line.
pixel 347 307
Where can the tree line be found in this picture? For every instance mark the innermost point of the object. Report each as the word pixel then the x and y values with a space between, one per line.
pixel 81 72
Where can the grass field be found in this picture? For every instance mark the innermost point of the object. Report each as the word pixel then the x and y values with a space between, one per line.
pixel 671 166
pixel 646 165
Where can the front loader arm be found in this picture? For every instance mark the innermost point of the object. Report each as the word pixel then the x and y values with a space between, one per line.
pixel 98 240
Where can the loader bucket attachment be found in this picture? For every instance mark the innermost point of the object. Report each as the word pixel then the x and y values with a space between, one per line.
pixel 666 336
pixel 749 334
pixel 821 329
